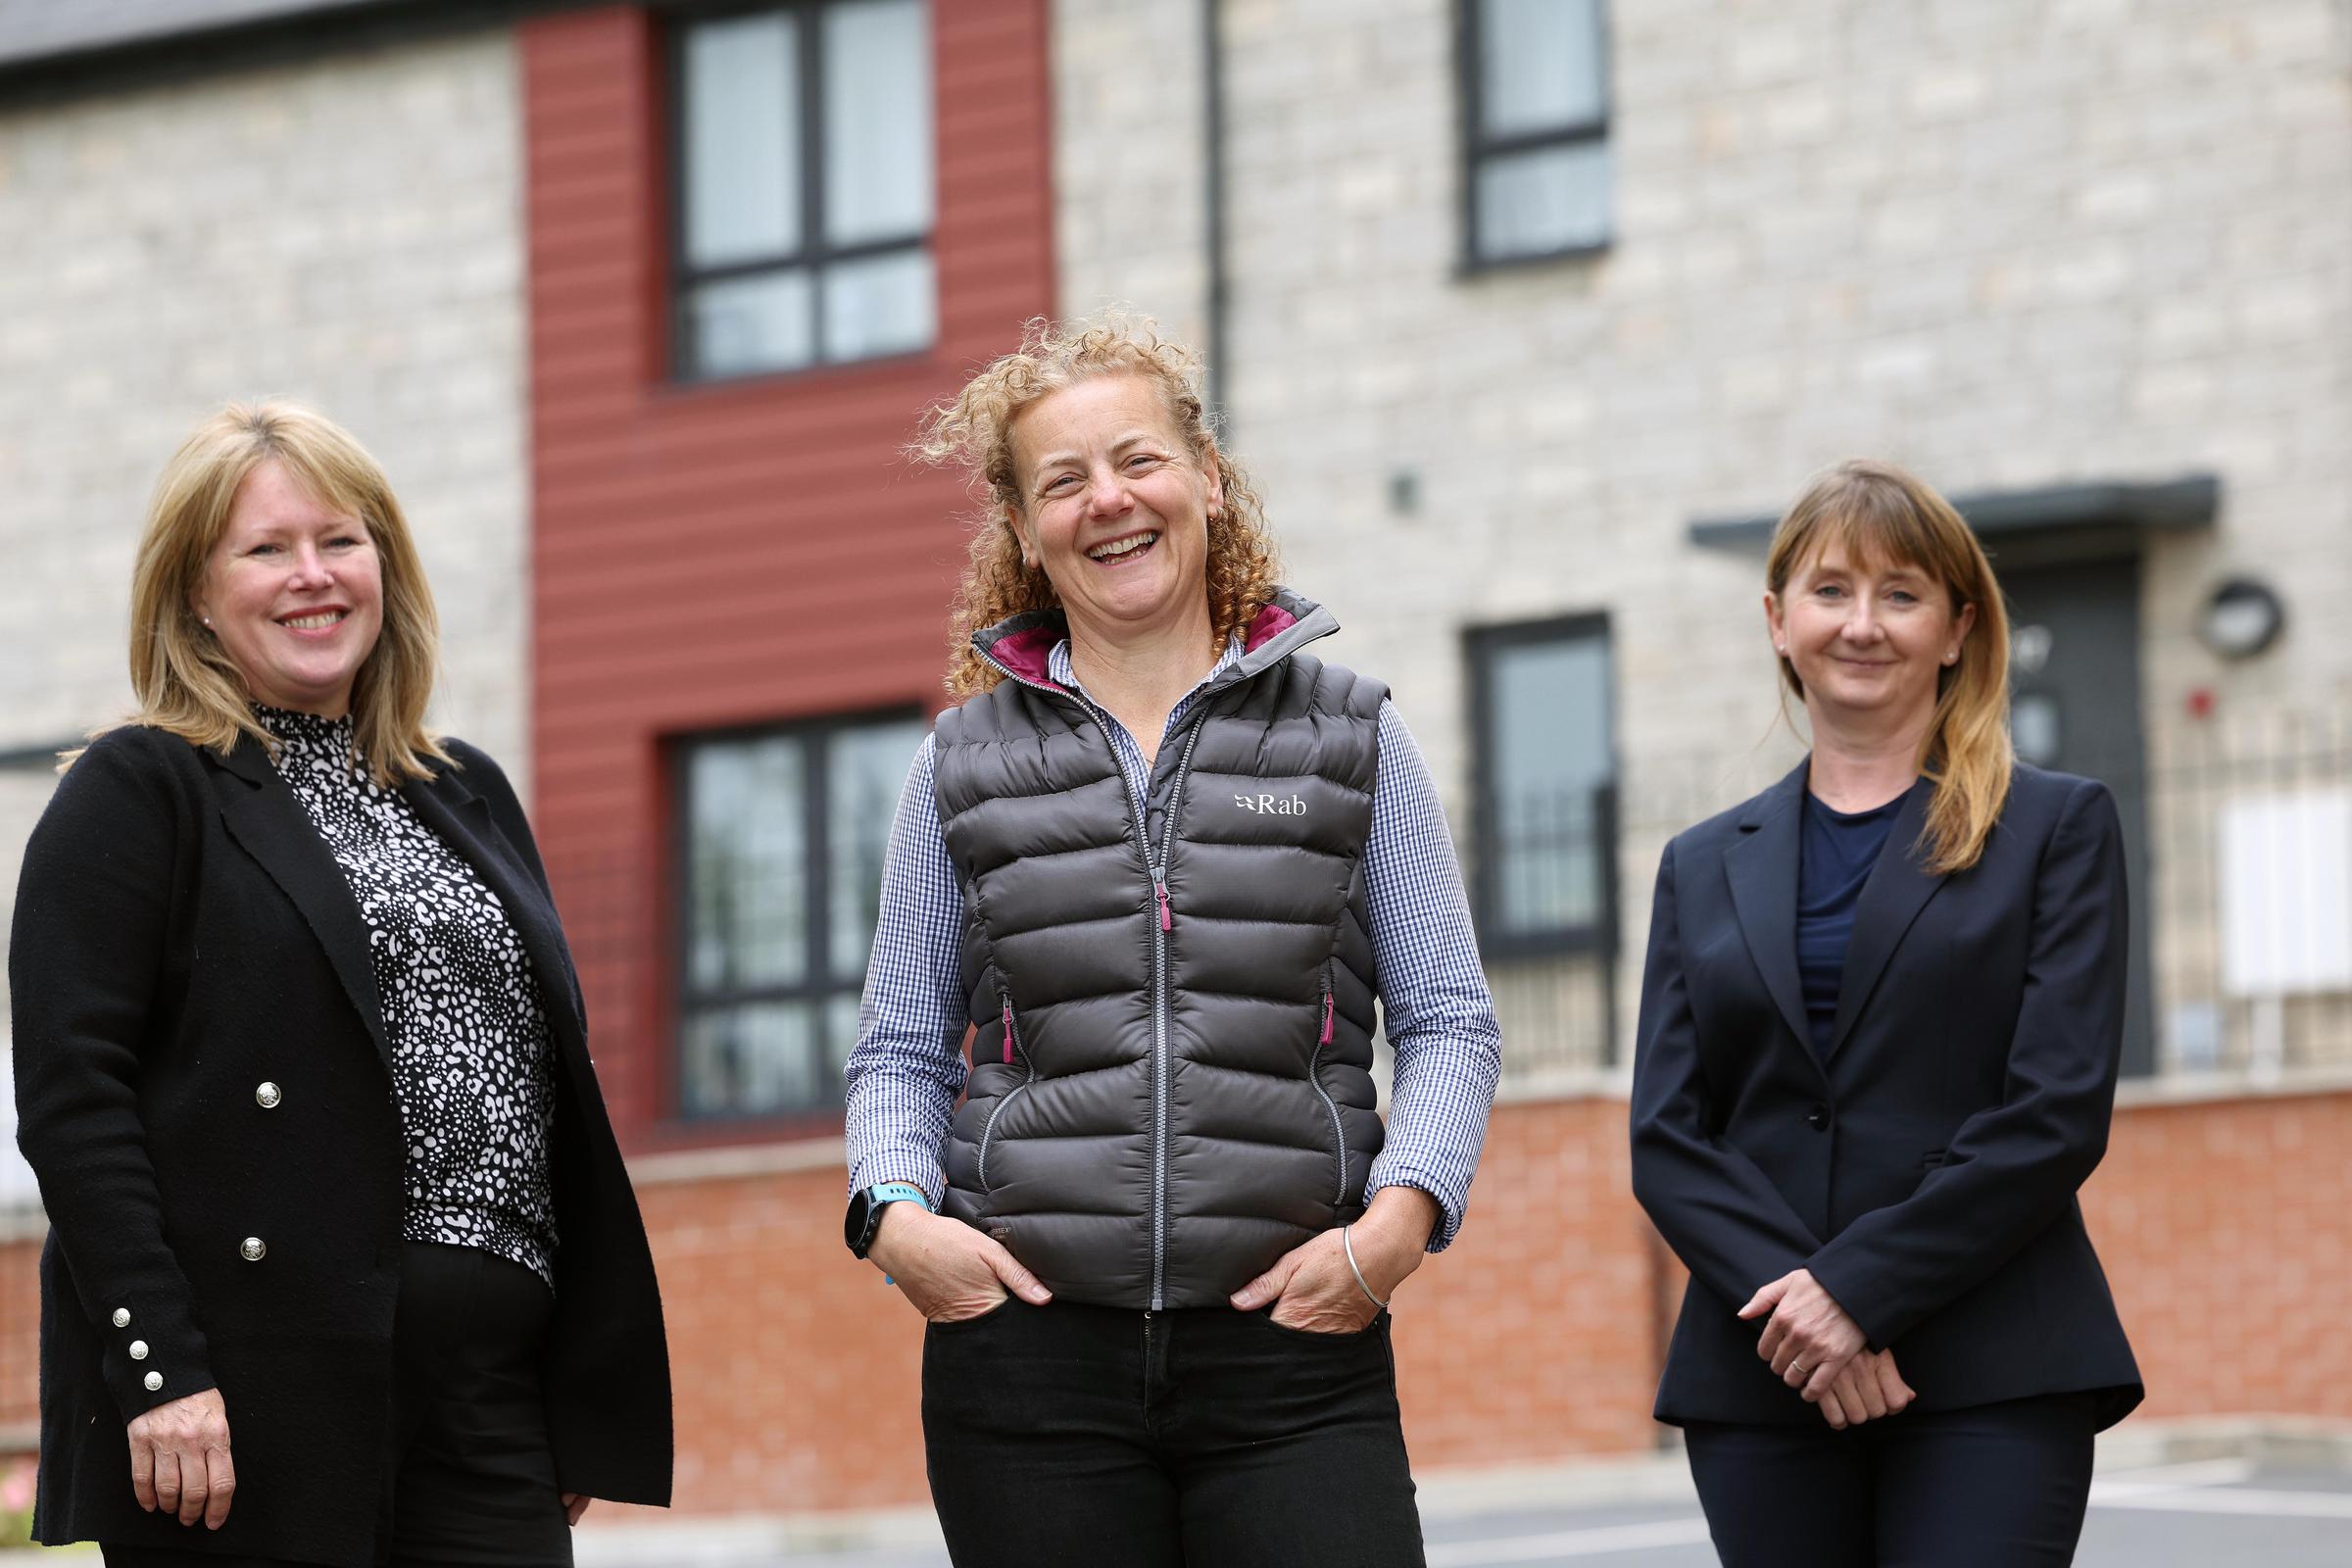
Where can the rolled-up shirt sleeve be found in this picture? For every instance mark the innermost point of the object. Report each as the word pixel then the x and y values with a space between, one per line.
pixel 1433 990
pixel 908 1066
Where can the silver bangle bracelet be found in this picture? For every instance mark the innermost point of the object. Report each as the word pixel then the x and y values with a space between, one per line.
pixel 1348 1241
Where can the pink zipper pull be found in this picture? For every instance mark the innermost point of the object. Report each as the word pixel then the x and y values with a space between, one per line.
pixel 1007 1031
pixel 1327 1005
pixel 1167 920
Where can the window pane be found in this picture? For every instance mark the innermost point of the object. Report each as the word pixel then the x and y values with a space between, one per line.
pixel 877 120
pixel 747 806
pixel 1548 723
pixel 863 774
pixel 742 152
pixel 880 305
pixel 758 1058
pixel 1549 200
pixel 1542 63
pixel 748 324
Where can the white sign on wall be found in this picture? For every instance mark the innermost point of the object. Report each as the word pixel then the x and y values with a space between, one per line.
pixel 2285 878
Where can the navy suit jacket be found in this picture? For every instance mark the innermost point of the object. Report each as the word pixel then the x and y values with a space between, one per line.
pixel 1926 1169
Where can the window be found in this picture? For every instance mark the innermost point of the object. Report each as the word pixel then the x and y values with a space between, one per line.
pixel 1535 113
pixel 783 837
pixel 805 186
pixel 1544 877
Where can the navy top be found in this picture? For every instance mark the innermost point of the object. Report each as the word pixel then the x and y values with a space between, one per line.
pixel 1835 854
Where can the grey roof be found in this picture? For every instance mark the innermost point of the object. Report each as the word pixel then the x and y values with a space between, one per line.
pixel 32 30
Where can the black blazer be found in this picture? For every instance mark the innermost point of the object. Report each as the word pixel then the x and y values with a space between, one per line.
pixel 1926 1172
pixel 182 935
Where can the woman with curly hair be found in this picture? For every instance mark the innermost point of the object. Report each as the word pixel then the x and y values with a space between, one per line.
pixel 1159 869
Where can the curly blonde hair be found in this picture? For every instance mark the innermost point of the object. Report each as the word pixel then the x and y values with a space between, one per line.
pixel 973 431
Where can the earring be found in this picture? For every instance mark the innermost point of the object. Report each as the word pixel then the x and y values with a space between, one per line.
pixel 208 620
pixel 1951 656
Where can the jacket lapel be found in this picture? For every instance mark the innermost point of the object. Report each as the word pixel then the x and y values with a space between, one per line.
pixel 1897 889
pixel 445 804
pixel 1761 865
pixel 262 814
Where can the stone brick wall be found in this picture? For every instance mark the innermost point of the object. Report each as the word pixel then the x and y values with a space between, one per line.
pixel 344 231
pixel 2010 244
pixel 1127 161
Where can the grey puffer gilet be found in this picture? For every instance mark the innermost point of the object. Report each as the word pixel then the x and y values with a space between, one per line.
pixel 1171 1082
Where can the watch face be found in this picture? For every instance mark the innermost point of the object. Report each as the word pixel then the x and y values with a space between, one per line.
pixel 853 1231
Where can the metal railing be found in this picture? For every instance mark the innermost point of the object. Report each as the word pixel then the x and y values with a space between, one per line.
pixel 2242 866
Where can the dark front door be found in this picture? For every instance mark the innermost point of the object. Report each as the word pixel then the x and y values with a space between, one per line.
pixel 2075 706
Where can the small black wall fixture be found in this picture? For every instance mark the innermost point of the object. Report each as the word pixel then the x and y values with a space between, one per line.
pixel 2241 618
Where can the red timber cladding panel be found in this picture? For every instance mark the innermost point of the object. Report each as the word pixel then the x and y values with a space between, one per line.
pixel 736 553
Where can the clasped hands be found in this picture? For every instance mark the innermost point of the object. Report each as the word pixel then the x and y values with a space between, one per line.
pixel 1817 1349
pixel 952 1272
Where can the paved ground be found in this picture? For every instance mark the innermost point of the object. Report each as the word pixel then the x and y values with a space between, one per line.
pixel 2224 1512
pixel 2176 1516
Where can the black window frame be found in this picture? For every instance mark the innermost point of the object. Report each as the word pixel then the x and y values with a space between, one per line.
pixel 1599 937
pixel 818 985
pixel 1477 146
pixel 815 253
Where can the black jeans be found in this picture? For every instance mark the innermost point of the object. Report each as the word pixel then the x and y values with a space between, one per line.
pixel 2001 1484
pixel 1069 1435
pixel 470 1481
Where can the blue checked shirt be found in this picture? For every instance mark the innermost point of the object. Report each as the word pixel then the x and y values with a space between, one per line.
pixel 907 1067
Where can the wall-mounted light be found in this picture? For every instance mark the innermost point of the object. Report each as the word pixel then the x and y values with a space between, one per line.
pixel 2241 617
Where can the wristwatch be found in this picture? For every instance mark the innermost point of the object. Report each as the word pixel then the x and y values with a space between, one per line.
pixel 866 1207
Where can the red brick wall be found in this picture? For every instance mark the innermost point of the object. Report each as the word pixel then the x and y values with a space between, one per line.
pixel 736 553
pixel 1534 1334
pixel 19 1336
pixel 2227 1232
pixel 2225 1226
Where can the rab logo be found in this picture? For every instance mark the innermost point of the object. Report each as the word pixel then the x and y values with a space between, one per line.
pixel 1271 805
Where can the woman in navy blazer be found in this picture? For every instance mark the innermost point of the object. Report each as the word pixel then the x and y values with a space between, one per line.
pixel 1881 1019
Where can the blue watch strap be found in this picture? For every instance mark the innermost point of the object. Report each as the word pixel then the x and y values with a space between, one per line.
pixel 882 1194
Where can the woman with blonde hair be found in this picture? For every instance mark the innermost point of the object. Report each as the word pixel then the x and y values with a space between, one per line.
pixel 340 1240
pixel 1160 867
pixel 1881 1020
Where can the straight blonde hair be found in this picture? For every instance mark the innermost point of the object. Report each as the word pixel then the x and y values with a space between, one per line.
pixel 973 431
pixel 1875 513
pixel 185 681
